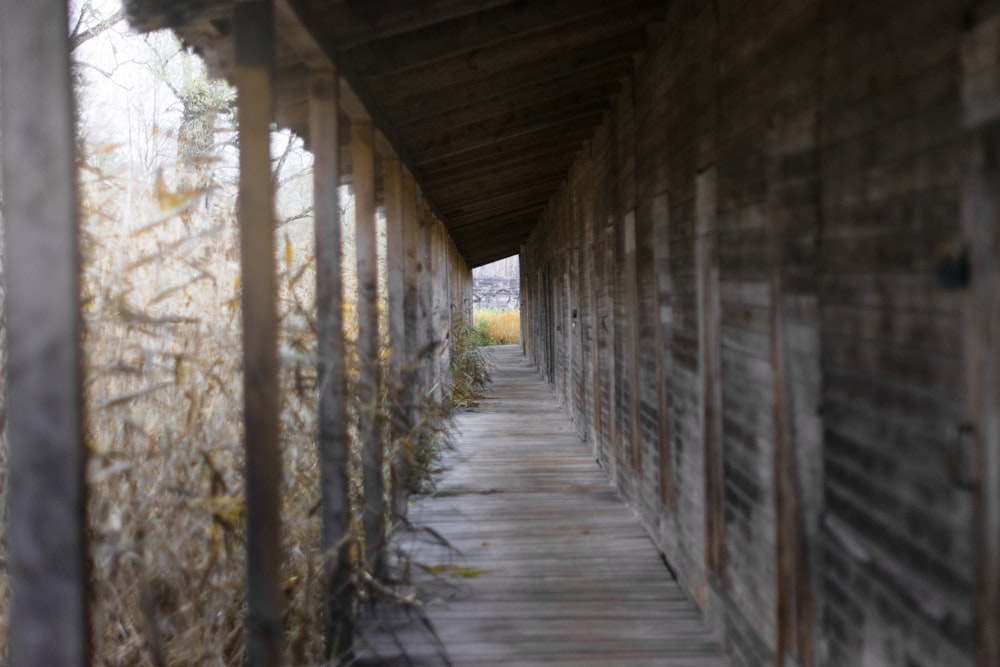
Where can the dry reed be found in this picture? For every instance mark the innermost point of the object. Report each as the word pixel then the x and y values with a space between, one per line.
pixel 502 326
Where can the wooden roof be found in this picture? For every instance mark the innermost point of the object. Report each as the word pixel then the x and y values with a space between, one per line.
pixel 487 102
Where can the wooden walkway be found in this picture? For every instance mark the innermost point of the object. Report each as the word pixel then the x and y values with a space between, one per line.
pixel 548 565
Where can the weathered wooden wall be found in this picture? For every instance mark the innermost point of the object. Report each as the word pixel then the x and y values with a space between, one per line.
pixel 745 293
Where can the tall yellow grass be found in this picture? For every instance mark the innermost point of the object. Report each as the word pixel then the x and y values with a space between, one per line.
pixel 502 326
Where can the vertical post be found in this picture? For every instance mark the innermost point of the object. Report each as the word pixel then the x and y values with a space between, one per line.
pixel 434 305
pixel 395 270
pixel 369 428
pixel 332 414
pixel 981 331
pixel 411 375
pixel 47 501
pixel 254 39
pixel 425 300
pixel 661 322
pixel 710 365
pixel 794 604
pixel 631 279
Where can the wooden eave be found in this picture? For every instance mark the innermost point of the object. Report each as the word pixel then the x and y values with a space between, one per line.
pixel 486 102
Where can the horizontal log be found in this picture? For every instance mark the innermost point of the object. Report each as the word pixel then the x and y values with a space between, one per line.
pixel 522 170
pixel 502 115
pixel 460 104
pixel 525 148
pixel 518 138
pixel 500 81
pixel 477 31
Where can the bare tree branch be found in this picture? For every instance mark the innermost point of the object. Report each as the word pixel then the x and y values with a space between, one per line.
pixel 78 38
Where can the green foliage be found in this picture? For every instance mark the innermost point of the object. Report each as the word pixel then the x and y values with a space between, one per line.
pixel 471 364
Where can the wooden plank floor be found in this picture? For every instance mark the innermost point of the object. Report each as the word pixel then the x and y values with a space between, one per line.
pixel 548 565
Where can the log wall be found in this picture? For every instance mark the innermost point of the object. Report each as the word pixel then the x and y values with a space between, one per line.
pixel 750 293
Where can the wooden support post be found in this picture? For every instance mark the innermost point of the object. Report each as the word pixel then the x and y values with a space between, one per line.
pixel 332 437
pixel 794 613
pixel 443 303
pixel 254 38
pixel 631 279
pixel 976 459
pixel 369 427
pixel 46 496
pixel 425 302
pixel 661 322
pixel 411 364
pixel 396 289
pixel 710 367
pixel 434 300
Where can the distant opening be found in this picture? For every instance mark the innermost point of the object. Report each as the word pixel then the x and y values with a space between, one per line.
pixel 496 298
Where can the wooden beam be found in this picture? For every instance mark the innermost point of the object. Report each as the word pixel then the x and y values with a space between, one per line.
pixel 540 191
pixel 661 322
pixel 351 24
pixel 501 115
pixel 411 374
pixel 490 218
pixel 533 47
pixel 571 128
pixel 630 279
pixel 332 439
pixel 710 368
pixel 425 301
pixel 485 185
pixel 253 26
pixel 482 30
pixel 492 155
pixel 977 453
pixel 400 94
pixel 369 427
pixel 395 259
pixel 794 607
pixel 46 497
pixel 461 104
pixel 533 155
pixel 498 131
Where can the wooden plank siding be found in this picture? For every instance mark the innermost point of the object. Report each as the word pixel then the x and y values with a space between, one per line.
pixel 803 379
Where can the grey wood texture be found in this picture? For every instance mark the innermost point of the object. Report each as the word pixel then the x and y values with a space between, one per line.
pixel 369 424
pixel 549 566
pixel 332 441
pixel 46 541
pixel 254 39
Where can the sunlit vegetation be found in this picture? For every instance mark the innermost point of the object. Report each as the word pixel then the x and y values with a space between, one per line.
pixel 502 327
pixel 163 369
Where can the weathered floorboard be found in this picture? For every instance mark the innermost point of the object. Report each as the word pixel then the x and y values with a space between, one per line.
pixel 547 566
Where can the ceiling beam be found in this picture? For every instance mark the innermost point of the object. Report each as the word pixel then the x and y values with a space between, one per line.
pixel 543 188
pixel 351 24
pixel 522 136
pixel 476 31
pixel 459 182
pixel 527 146
pixel 500 115
pixel 514 65
pixel 458 104
pixel 481 167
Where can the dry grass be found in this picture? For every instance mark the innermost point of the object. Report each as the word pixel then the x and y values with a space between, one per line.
pixel 164 430
pixel 502 326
